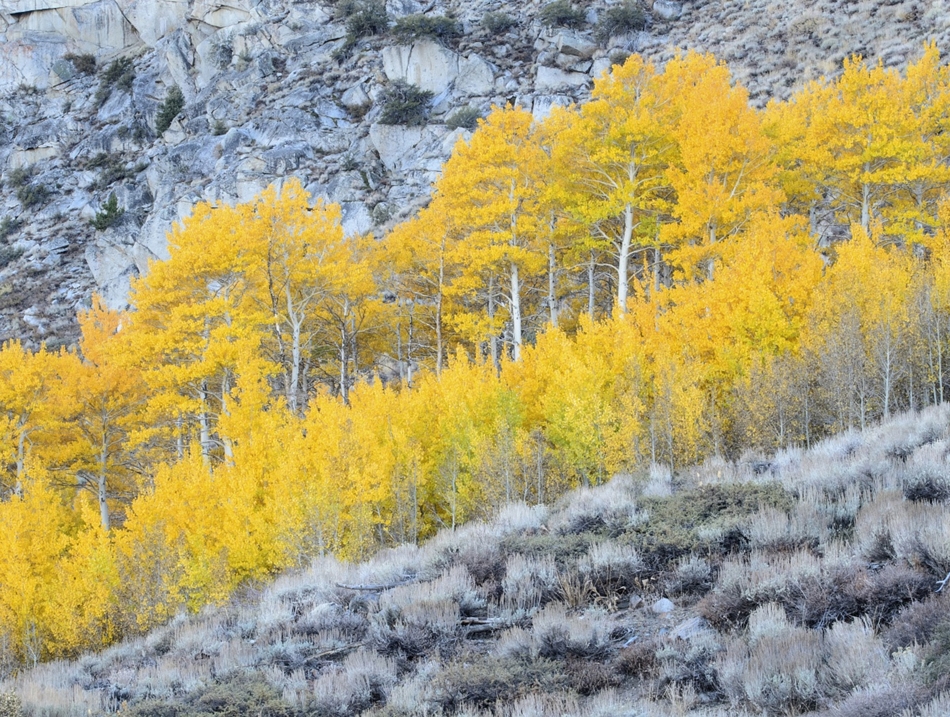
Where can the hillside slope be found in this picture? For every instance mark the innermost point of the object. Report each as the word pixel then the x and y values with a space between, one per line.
pixel 803 583
pixel 276 89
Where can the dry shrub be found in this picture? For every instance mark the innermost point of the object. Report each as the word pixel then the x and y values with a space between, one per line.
pixel 872 527
pixel 476 547
pixel 846 592
pixel 638 660
pixel 919 533
pixel 483 681
pixel 544 705
pixel 936 657
pixel 692 575
pixel 915 624
pixel 856 657
pixel 559 634
pixel 529 582
pixel 815 592
pixel 659 480
pixel 892 588
pixel 519 518
pixel 779 673
pixel 688 666
pixel 611 566
pixel 752 580
pixel 610 508
pixel 363 679
pixel 324 618
pixel 518 643
pixel 783 669
pixel 772 529
pixel 927 484
pixel 726 607
pixel 878 702
pixel 611 703
pixel 414 619
pixel 939 707
pixel 587 678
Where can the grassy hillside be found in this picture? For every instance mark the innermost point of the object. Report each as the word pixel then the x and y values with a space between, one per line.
pixel 805 582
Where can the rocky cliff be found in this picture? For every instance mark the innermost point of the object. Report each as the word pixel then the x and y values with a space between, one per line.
pixel 274 88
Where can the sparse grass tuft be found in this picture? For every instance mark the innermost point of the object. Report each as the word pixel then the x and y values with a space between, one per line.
pixel 620 19
pixel 444 29
pixel 364 18
pixel 497 23
pixel 562 13
pixel 118 75
pixel 109 215
pixel 405 104
pixel 9 226
pixel 84 64
pixel 170 108
pixel 465 118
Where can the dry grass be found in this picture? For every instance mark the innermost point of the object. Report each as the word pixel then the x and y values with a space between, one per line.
pixel 815 570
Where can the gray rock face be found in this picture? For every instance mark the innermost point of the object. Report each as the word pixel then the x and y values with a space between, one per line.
pixel 272 91
pixel 552 78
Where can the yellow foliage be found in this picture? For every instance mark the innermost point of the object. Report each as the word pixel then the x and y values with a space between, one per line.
pixel 658 275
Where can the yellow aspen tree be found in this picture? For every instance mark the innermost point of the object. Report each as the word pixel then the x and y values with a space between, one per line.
pixel 29 405
pixel 300 253
pixel 924 175
pixel 423 258
pixel 864 137
pixel 35 526
pixel 352 316
pixel 106 394
pixel 490 184
pixel 84 605
pixel 194 315
pixel 612 161
pixel 864 346
pixel 723 173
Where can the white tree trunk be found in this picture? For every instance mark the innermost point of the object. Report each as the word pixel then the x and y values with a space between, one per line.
pixel 515 313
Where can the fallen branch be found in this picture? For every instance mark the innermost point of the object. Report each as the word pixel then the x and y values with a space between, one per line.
pixel 373 588
pixel 478 626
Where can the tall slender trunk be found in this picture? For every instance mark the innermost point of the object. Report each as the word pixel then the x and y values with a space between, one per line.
pixel 591 295
pixel 225 411
pixel 866 206
pixel 492 339
pixel 20 458
pixel 515 313
pixel 623 260
pixel 439 349
pixel 409 338
pixel 204 425
pixel 344 393
pixel 552 297
pixel 296 326
pixel 104 516
pixel 515 298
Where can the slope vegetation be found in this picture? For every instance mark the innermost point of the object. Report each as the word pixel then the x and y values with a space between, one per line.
pixel 804 582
